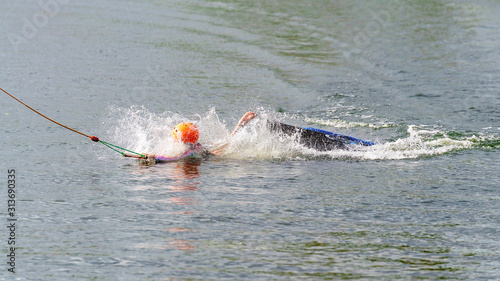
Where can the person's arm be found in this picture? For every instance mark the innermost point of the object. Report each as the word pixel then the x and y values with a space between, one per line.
pixel 160 158
pixel 243 121
pixel 127 154
pixel 218 149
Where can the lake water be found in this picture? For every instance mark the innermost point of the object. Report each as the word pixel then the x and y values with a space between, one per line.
pixel 419 78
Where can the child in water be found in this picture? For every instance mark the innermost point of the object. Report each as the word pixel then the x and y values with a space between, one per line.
pixel 188 133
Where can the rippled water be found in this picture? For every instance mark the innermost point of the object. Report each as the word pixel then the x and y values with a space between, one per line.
pixel 419 78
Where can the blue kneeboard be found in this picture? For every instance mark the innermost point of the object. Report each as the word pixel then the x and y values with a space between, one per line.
pixel 318 139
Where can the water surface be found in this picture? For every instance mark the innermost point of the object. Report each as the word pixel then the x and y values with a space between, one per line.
pixel 420 78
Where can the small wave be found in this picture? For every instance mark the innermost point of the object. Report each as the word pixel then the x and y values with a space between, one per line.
pixel 337 123
pixel 418 143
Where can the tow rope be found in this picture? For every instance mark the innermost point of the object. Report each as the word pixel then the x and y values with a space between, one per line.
pixel 93 138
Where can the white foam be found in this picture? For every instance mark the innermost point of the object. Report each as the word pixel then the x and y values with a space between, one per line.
pixel 418 143
pixel 337 123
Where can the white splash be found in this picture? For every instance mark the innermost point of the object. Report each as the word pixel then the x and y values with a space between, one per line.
pixel 148 132
pixel 418 143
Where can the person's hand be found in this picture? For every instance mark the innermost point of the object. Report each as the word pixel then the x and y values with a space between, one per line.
pixel 148 156
pixel 246 118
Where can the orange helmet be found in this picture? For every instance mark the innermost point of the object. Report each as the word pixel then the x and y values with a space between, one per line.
pixel 186 132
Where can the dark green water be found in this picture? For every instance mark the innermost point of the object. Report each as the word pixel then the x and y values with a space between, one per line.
pixel 420 78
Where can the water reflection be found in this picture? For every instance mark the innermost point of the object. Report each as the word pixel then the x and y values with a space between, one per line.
pixel 180 244
pixel 186 175
pixel 170 188
pixel 180 176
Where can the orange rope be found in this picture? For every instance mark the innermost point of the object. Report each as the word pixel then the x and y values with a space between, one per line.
pixel 94 139
pixel 47 117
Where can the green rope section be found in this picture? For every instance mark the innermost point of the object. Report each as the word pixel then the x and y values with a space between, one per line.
pixel 114 147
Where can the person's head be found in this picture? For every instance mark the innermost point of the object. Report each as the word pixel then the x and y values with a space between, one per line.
pixel 186 132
